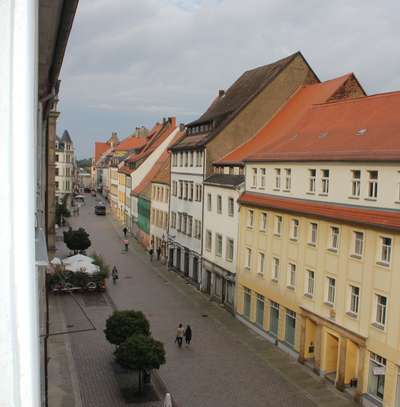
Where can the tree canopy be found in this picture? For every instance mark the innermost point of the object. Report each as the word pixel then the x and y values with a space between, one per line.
pixel 140 352
pixel 77 240
pixel 123 324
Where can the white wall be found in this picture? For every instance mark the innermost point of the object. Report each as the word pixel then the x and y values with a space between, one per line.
pixel 339 183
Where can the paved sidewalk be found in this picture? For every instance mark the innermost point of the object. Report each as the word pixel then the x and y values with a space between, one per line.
pixel 227 363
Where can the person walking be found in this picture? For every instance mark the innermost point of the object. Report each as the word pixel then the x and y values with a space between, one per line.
pixel 179 335
pixel 158 253
pixel 114 274
pixel 126 244
pixel 151 251
pixel 188 335
pixel 125 230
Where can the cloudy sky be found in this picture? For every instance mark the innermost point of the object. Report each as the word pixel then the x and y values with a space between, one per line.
pixel 131 62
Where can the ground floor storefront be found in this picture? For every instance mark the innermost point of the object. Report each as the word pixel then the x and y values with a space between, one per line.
pixel 185 261
pixel 218 283
pixel 347 360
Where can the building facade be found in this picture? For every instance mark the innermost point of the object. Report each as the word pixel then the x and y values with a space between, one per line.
pixel 220 237
pixel 319 244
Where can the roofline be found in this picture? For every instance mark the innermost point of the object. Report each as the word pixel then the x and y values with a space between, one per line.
pixel 227 186
pixel 379 226
pixel 367 159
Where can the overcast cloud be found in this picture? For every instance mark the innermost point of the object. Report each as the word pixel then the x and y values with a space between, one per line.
pixel 132 62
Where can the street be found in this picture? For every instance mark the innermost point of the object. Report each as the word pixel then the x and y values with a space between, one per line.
pixel 226 364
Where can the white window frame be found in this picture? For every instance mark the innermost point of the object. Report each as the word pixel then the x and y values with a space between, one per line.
pixel 294 229
pixel 325 175
pixel 312 177
pixel 277 185
pixel 276 266
pixel 247 263
pixel 261 263
pixel 310 283
pixel 250 218
pixel 354 299
pixel 278 225
pixel 373 184
pixel 228 245
pixel 356 245
pixel 218 244
pixel 262 178
pixel 380 317
pixel 313 234
pixel 385 251
pixel 254 178
pixel 288 179
pixel 219 204
pixel 231 206
pixel 291 276
pixel 355 183
pixel 334 238
pixel 331 290
pixel 263 221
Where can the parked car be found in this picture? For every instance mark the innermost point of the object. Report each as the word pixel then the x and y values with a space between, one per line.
pixel 100 209
pixel 93 192
pixel 87 190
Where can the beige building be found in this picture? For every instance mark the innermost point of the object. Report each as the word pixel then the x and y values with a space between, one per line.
pixel 319 243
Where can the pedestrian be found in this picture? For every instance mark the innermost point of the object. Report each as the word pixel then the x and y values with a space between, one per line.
pixel 151 251
pixel 179 335
pixel 188 335
pixel 125 230
pixel 126 243
pixel 158 253
pixel 114 274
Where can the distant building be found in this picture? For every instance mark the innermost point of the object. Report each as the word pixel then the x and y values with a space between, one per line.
pixel 65 168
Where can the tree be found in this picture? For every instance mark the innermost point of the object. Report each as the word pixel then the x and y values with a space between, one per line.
pixel 123 324
pixel 77 240
pixel 140 352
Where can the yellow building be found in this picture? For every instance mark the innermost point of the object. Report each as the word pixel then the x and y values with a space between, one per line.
pixel 319 244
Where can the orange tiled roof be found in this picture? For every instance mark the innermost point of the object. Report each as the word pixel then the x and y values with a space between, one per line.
pixel 378 218
pixel 286 118
pixel 125 170
pixel 131 143
pixel 99 149
pixel 362 129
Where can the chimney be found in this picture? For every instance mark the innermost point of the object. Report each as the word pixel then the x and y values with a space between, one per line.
pixel 172 120
pixel 182 127
pixel 164 120
pixel 221 93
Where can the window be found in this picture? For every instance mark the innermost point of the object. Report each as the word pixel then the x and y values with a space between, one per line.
pixel 263 222
pixel 310 283
pixel 198 192
pixel 219 204
pixel 198 235
pixel 199 158
pixel 275 268
pixel 180 189
pixel 229 249
pixel 376 376
pixel 247 263
pixel 354 299
pixel 260 310
pixel 261 261
pixel 291 275
pixel 218 245
pixel 179 221
pixel 325 181
pixel 254 179
pixel 358 243
pixel 331 290
pixel 190 226
pixel 274 319
pixel 288 179
pixel 312 175
pixel 230 206
pixel 313 234
pixel 174 160
pixel 262 178
pixel 278 225
pixel 186 158
pixel 355 183
pixel 250 218
pixel 373 184
pixel 295 229
pixel 334 241
pixel 209 203
pixel 381 305
pixel 246 302
pixel 386 250
pixel 184 216
pixel 186 195
pixel 191 186
pixel 191 159
pixel 290 327
pixel 277 178
pixel 181 159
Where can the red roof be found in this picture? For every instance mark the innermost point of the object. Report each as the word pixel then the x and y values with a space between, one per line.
pixel 131 143
pixel 99 149
pixel 286 118
pixel 350 214
pixel 125 170
pixel 362 129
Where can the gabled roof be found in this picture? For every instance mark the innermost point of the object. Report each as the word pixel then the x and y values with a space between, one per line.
pixel 163 176
pixel 99 149
pixel 362 129
pixel 229 104
pixel 131 143
pixel 377 218
pixel 286 118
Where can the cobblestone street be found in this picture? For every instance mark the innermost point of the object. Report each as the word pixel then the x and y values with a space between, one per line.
pixel 226 365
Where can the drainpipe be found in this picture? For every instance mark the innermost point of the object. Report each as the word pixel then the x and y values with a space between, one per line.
pixel 202 221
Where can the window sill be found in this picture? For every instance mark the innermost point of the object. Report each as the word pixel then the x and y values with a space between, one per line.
pixel 331 250
pixel 329 304
pixel 230 260
pixel 286 190
pixel 294 240
pixel 356 256
pixel 383 264
pixel 378 326
pixel 274 280
pixel 352 315
pixel 260 275
pixel 311 244
pixel 397 202
pixel 291 287
pixel 249 227
pixel 276 235
pixel 323 194
pixel 370 199
pixel 245 268
pixel 307 295
pixel 353 197
pixel 276 189
pixel 310 193
pixel 262 230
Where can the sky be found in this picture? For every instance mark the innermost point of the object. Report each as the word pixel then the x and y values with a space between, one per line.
pixel 130 63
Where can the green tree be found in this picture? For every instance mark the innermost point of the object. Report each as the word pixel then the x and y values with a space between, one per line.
pixel 140 352
pixel 123 324
pixel 77 240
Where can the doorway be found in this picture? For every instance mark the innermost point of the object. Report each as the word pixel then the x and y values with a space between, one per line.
pixel 331 356
pixel 186 264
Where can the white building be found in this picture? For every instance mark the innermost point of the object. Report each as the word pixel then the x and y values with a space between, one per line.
pixel 221 229
pixel 65 168
pixel 186 213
